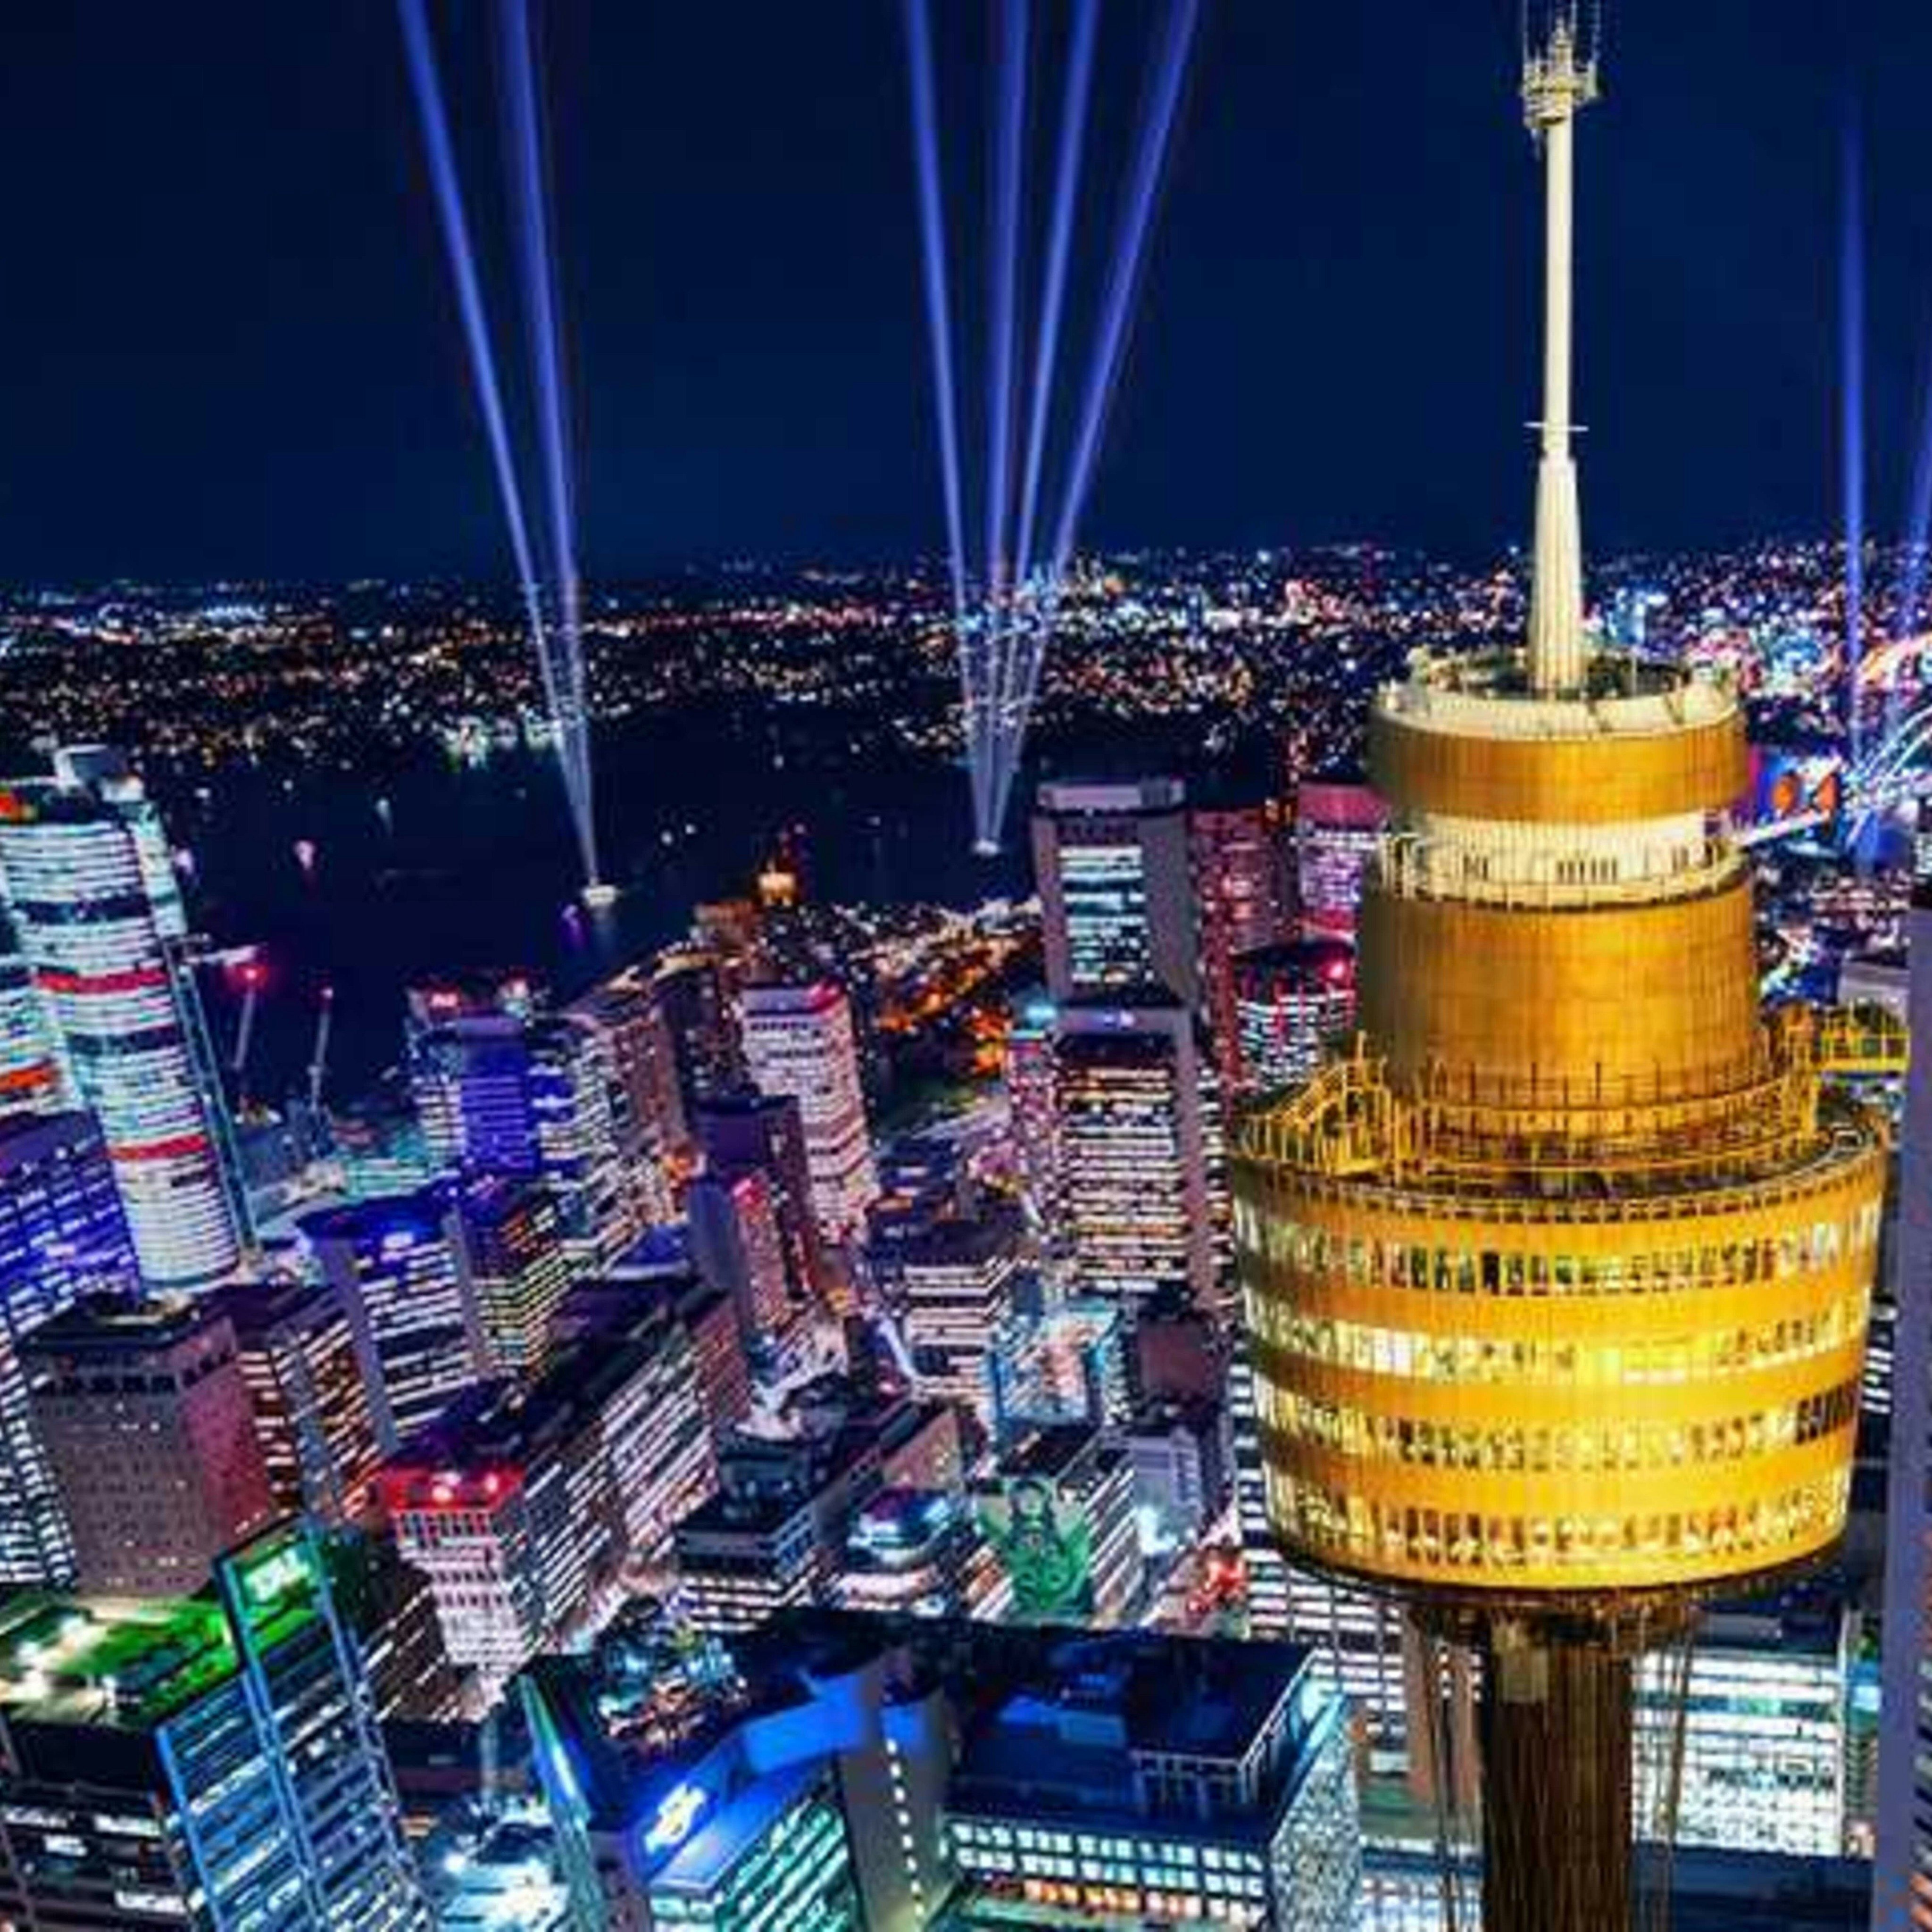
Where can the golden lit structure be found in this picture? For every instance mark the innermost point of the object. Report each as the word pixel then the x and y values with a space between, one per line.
pixel 1558 1284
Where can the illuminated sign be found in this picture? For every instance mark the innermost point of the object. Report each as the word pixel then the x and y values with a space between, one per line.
pixel 677 1817
pixel 277 1575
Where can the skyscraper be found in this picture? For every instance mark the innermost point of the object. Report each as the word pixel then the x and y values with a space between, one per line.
pixel 799 1041
pixel 956 1290
pixel 1558 1290
pixel 150 1439
pixel 1116 897
pixel 1132 1150
pixel 32 1079
pixel 1338 824
pixel 1240 905
pixel 205 1761
pixel 512 1237
pixel 1291 1003
pixel 747 1132
pixel 90 881
pixel 62 1235
pixel 400 1265
pixel 736 1242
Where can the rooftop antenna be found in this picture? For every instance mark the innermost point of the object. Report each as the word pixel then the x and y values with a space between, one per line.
pixel 1559 79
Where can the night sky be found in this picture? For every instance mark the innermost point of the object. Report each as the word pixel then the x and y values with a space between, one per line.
pixel 227 345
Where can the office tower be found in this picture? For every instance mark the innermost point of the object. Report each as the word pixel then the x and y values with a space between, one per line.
pixel 143 1412
pixel 507 1092
pixel 625 1012
pixel 696 1003
pixel 955 1290
pixel 313 1417
pixel 207 1761
pixel 520 1504
pixel 1132 1141
pixel 90 881
pixel 32 1079
pixel 1030 1111
pixel 1240 906
pixel 1902 1874
pixel 401 1267
pixel 1067 1362
pixel 1179 1452
pixel 1559 1291
pixel 1338 824
pixel 1291 1003
pixel 62 1235
pixel 799 1043
pixel 513 1238
pixel 981 1774
pixel 1111 861
pixel 739 1249
pixel 1059 1514
pixel 744 1132
pixel 772 1535
pixel 1764 1689
pixel 917 1551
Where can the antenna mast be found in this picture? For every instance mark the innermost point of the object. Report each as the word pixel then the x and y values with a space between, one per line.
pixel 1559 79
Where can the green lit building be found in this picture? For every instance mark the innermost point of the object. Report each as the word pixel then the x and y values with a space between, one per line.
pixel 211 1762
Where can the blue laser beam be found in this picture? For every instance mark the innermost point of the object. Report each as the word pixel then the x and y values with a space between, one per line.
pixel 524 117
pixel 945 386
pixel 446 184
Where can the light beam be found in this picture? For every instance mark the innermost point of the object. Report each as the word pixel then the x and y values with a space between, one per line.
pixel 1851 372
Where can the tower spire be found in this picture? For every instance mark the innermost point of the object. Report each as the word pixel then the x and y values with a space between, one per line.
pixel 1559 77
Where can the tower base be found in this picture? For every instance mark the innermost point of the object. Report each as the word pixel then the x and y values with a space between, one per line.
pixel 1556 1724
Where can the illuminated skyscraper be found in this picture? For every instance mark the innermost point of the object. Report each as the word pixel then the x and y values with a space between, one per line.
pixel 1115 894
pixel 1558 1290
pixel 32 1079
pixel 203 1762
pixel 736 1243
pixel 1291 1003
pixel 90 880
pixel 1029 1083
pixel 514 1244
pixel 1338 824
pixel 799 1042
pixel 150 1437
pixel 1238 898
pixel 956 1288
pixel 401 1267
pixel 1132 1148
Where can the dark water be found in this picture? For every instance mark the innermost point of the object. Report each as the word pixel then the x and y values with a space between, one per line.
pixel 475 866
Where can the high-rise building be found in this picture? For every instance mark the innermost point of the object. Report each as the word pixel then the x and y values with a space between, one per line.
pixel 1132 1146
pixel 313 1417
pixel 628 1016
pixel 1240 907
pixel 1030 1109
pixel 1558 1291
pixel 695 998
pixel 1115 894
pixel 1338 825
pixel 143 1412
pixel 62 1236
pixel 799 1042
pixel 1291 1003
pixel 401 1267
pixel 209 1761
pixel 747 1132
pixel 917 1553
pixel 737 1245
pixel 519 1504
pixel 956 1291
pixel 32 1079
pixel 1067 1362
pixel 89 879
pixel 513 1238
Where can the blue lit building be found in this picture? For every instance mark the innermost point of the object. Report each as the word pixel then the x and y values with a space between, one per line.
pixel 903 1773
pixel 89 879
pixel 62 1235
pixel 207 1762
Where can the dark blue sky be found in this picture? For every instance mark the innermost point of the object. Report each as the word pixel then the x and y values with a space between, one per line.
pixel 226 344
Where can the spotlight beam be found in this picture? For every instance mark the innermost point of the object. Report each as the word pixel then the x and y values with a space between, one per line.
pixel 1852 399
pixel 531 194
pixel 945 386
pixel 1918 524
pixel 453 221
pixel 1123 281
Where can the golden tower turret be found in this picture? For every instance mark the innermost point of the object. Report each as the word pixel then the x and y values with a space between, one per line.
pixel 1558 1281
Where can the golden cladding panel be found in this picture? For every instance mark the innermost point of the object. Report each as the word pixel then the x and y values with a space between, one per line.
pixel 1602 781
pixel 1665 992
